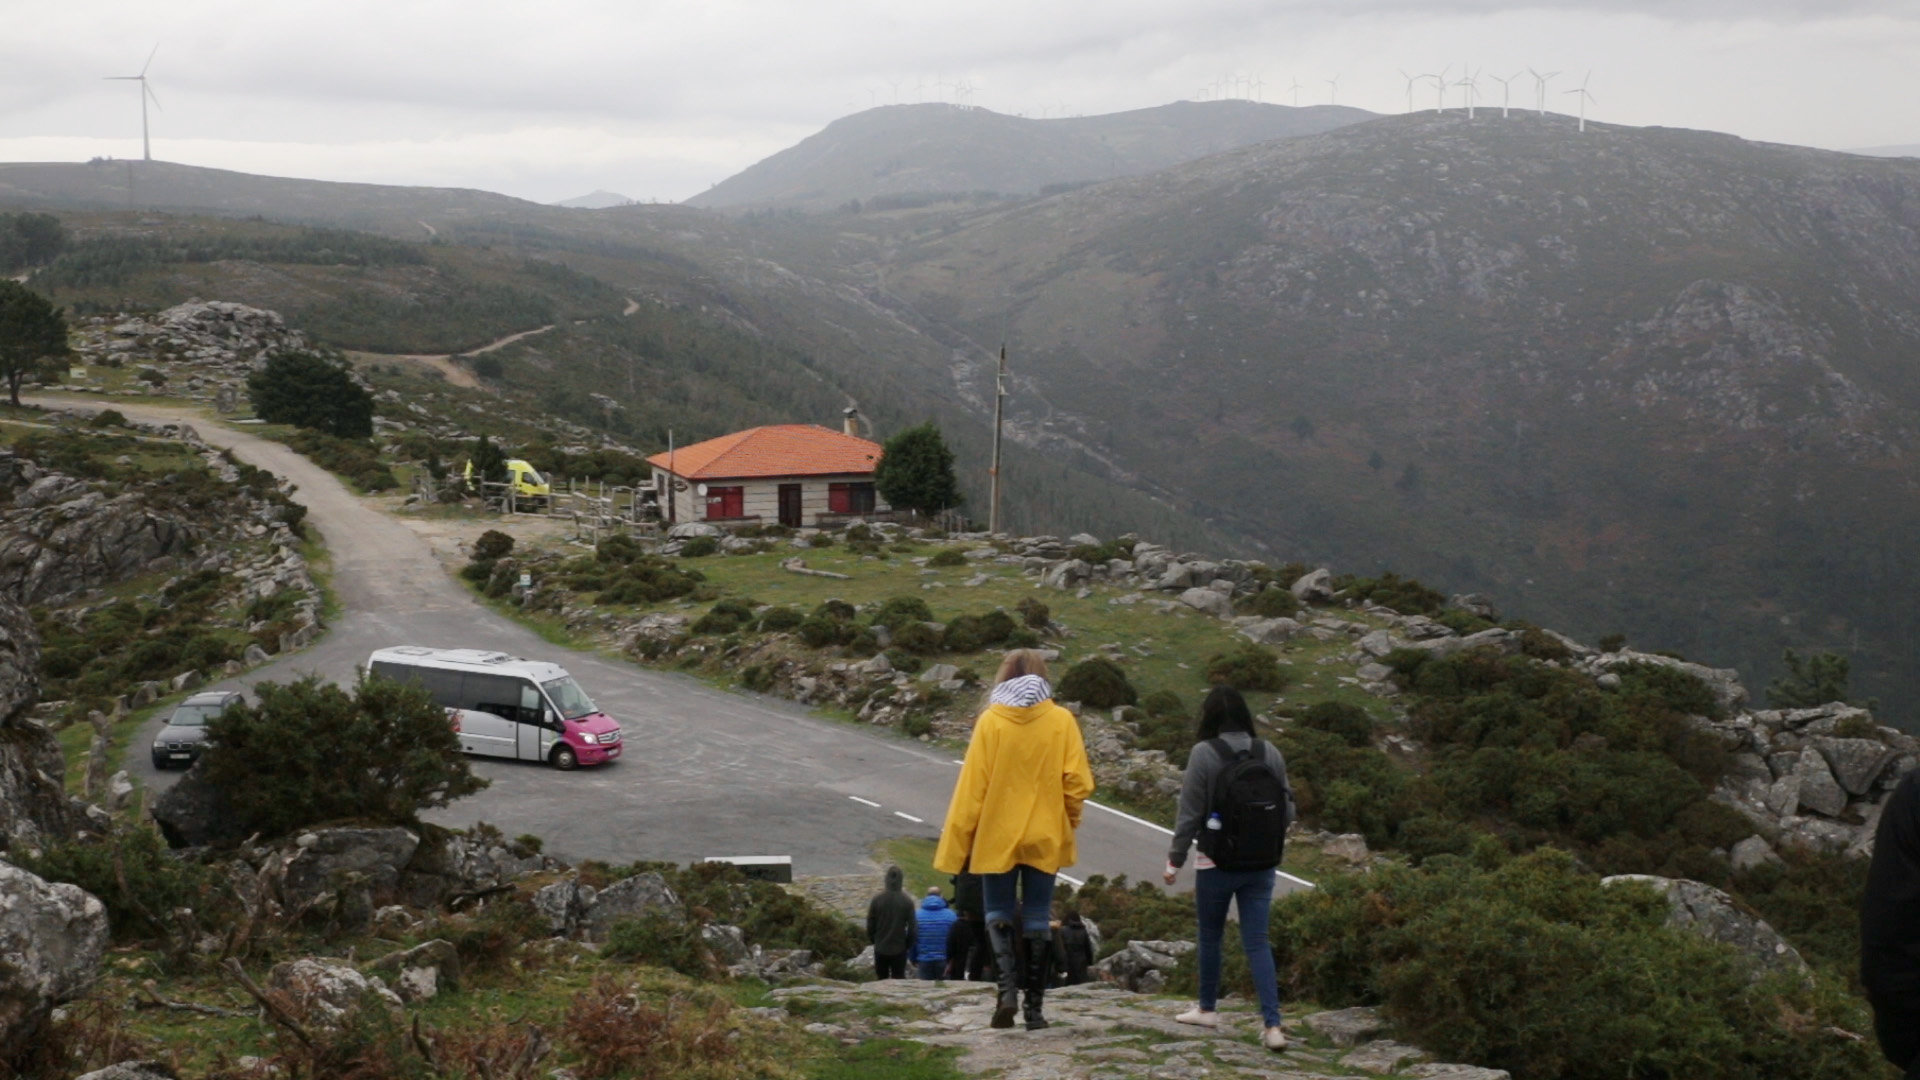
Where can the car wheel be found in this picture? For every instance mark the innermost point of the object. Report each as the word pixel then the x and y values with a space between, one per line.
pixel 159 765
pixel 564 758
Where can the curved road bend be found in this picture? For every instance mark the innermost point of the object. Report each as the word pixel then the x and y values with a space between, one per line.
pixel 703 772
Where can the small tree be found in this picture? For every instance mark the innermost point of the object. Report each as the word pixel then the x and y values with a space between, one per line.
pixel 916 472
pixel 1815 680
pixel 33 337
pixel 309 752
pixel 312 390
pixel 488 462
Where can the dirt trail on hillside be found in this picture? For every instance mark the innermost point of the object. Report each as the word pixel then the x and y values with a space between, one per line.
pixel 444 362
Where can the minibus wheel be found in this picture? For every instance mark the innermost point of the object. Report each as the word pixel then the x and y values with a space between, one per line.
pixel 564 758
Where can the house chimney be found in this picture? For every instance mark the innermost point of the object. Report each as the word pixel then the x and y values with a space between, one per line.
pixel 850 423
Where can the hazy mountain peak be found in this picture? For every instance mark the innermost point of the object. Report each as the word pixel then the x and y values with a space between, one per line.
pixel 599 199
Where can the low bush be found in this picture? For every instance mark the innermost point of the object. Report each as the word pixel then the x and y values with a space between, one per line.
pixel 1164 703
pixel 138 879
pixel 649 580
pixel 699 547
pixel 917 637
pixel 1404 595
pixel 947 557
pixel 615 1032
pixel 108 418
pixel 971 633
pixel 1536 968
pixel 355 461
pixel 775 619
pixel 1096 682
pixel 1349 723
pixel 1034 613
pixel 758 678
pixel 1248 667
pixel 821 632
pixel 1273 602
pixel 493 544
pixel 897 611
pixel 658 939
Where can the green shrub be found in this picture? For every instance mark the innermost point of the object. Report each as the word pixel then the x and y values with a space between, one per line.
pixel 1462 622
pixel 141 895
pixel 758 678
pixel 1034 613
pixel 947 557
pixel 915 724
pixel 654 938
pixel 1248 667
pixel 917 637
pixel 725 617
pixel 1098 683
pixel 619 549
pixel 649 580
pixel 309 752
pixel 488 939
pixel 820 540
pixel 1349 723
pixel 902 660
pixel 108 418
pixel 820 632
pixel 1022 638
pixel 699 547
pixel 1164 703
pixel 1404 595
pixel 971 633
pixel 494 544
pixel 311 390
pixel 1536 968
pixel 897 611
pixel 780 618
pixel 769 915
pixel 1612 643
pixel 1539 644
pixel 1273 602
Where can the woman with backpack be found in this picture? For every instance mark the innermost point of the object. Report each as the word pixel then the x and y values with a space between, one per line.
pixel 1236 803
pixel 1011 820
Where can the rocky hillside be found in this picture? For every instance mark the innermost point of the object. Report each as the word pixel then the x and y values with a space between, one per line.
pixel 1642 380
pixel 907 155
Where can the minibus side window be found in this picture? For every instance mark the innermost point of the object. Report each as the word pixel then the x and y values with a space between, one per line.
pixel 494 694
pixel 533 706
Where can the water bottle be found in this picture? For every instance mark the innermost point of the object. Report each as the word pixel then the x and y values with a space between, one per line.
pixel 1213 821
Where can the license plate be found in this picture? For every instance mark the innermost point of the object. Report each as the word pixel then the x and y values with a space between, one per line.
pixel 181 753
pixel 613 752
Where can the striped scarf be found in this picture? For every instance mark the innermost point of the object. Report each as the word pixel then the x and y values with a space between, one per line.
pixel 1022 691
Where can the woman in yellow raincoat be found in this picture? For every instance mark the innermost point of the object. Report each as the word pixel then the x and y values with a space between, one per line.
pixel 1012 819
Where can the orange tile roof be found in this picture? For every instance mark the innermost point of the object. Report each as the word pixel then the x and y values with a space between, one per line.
pixel 776 450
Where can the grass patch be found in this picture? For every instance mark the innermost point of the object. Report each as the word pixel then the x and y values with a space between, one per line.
pixel 895 1059
pixel 914 856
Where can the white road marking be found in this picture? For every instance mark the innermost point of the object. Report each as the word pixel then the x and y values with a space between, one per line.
pixel 909 817
pixel 959 763
pixel 1137 821
pixel 1069 879
pixel 864 802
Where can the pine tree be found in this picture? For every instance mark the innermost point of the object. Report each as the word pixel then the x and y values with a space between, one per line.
pixel 33 337
pixel 311 390
pixel 916 472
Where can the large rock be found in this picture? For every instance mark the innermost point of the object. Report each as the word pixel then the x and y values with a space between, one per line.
pixel 195 813
pixel 448 865
pixel 1268 631
pixel 1066 574
pixel 423 971
pixel 62 538
pixel 1856 763
pixel 1211 601
pixel 687 530
pixel 1819 791
pixel 1348 1027
pixel 133 1070
pixel 33 801
pixel 1725 683
pixel 52 937
pixel 630 898
pixel 564 904
pixel 1705 910
pixel 1143 966
pixel 329 993
pixel 362 866
pixel 1315 587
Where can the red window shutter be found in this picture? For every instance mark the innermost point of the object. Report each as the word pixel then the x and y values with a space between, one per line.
pixel 839 499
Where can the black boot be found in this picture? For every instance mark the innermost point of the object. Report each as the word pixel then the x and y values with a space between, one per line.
pixel 1000 935
pixel 1037 970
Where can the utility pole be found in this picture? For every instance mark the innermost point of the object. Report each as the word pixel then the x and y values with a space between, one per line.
pixel 999 405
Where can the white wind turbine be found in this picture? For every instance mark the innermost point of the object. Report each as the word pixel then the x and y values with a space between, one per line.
pixel 146 92
pixel 1506 91
pixel 1470 83
pixel 1411 79
pixel 1584 98
pixel 1296 93
pixel 1540 88
pixel 1440 84
pixel 1333 89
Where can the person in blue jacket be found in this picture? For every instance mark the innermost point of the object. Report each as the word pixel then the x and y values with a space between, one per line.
pixel 931 923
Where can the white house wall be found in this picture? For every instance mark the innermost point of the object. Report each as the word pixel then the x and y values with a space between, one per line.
pixel 761 499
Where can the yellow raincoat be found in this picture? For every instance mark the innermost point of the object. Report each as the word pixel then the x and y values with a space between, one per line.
pixel 1019 794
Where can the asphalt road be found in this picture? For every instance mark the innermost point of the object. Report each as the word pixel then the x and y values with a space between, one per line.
pixel 703 773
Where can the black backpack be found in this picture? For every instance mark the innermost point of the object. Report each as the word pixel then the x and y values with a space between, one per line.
pixel 1252 802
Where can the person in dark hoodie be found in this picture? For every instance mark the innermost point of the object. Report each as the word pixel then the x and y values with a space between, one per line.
pixel 969 955
pixel 1890 928
pixel 930 926
pixel 890 927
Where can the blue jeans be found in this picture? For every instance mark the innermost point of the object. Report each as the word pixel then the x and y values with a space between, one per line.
pixel 1035 905
pixel 931 970
pixel 1253 891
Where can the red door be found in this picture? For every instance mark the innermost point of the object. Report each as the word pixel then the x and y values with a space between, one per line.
pixel 724 503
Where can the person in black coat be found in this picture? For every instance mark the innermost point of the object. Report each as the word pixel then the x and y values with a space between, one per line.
pixel 1890 928
pixel 976 963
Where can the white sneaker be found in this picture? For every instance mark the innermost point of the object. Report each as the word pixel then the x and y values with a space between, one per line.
pixel 1199 1017
pixel 1273 1039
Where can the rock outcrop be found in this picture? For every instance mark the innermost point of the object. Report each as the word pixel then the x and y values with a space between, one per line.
pixel 1704 910
pixel 33 801
pixel 52 938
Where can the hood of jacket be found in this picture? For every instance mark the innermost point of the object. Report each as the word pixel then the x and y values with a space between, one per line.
pixel 933 903
pixel 1022 714
pixel 896 879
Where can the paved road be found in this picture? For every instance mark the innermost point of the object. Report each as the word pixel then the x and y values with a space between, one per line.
pixel 704 772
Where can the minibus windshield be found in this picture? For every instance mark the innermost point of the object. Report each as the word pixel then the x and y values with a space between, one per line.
pixel 572 701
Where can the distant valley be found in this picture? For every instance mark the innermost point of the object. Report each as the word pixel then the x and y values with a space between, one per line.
pixel 1651 381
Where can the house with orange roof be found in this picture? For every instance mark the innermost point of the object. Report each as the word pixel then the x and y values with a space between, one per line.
pixel 788 474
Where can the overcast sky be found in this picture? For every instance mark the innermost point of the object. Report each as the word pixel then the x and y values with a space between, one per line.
pixel 659 100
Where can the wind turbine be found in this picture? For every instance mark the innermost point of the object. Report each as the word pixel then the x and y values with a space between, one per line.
pixel 1296 93
pixel 146 92
pixel 1411 79
pixel 1540 88
pixel 1506 91
pixel 1333 89
pixel 1470 80
pixel 1440 84
pixel 1584 98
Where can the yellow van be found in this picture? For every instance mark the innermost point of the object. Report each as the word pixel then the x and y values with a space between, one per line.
pixel 525 480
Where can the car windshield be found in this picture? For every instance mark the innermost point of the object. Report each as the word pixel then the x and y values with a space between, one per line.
pixel 193 715
pixel 572 701
pixel 533 477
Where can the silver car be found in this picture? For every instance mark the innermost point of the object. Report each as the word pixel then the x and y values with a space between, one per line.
pixel 180 741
